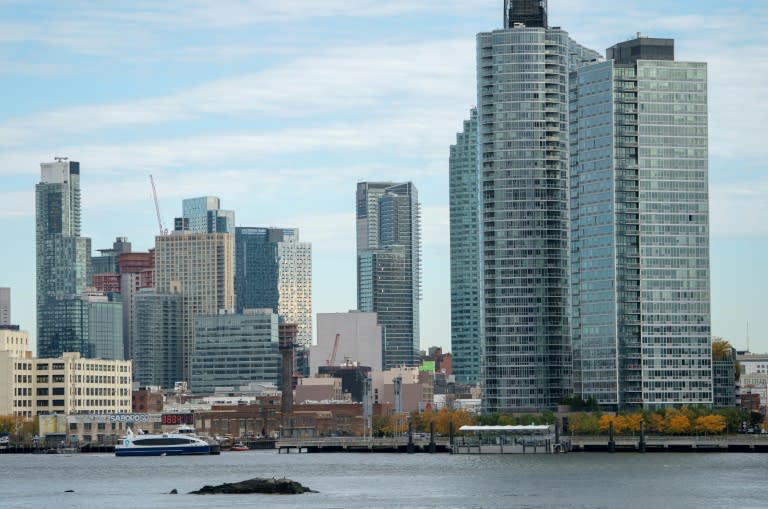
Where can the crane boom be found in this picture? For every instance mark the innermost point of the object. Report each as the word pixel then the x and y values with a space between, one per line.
pixel 157 207
pixel 332 359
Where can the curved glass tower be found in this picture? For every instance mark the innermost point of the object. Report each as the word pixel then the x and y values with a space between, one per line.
pixel 522 98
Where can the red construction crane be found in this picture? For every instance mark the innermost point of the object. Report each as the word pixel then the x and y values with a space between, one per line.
pixel 332 359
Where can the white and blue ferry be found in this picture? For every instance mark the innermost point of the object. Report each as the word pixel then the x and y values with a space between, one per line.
pixel 167 444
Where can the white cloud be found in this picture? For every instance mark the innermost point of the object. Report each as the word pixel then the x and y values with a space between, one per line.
pixel 17 204
pixel 362 81
pixel 739 208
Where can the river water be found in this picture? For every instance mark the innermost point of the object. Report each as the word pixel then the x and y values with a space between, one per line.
pixel 359 480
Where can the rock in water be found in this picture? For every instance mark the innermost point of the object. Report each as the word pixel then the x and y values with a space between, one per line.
pixel 256 485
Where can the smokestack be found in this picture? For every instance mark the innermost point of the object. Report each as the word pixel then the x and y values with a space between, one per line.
pixel 287 335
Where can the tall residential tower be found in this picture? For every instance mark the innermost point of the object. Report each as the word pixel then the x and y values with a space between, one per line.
pixel 274 270
pixel 389 265
pixel 63 260
pixel 640 229
pixel 522 115
pixel 466 271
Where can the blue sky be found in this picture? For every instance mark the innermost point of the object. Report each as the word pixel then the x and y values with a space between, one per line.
pixel 280 107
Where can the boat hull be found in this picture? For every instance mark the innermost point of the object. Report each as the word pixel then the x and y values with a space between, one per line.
pixel 162 451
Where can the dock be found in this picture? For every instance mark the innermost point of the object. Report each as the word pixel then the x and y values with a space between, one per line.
pixel 362 444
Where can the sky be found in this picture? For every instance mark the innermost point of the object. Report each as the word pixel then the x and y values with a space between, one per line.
pixel 280 107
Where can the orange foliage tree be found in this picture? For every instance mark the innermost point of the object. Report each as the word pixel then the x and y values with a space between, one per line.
pixel 710 424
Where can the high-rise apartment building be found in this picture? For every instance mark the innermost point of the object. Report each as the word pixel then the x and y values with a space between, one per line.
pixel 137 271
pixel 105 326
pixel 466 271
pixel 200 268
pixel 157 338
pixel 5 306
pixel 274 270
pixel 389 265
pixel 232 350
pixel 63 258
pixel 522 115
pixel 640 229
pixel 204 215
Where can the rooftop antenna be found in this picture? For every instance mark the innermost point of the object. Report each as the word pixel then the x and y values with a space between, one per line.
pixel 747 336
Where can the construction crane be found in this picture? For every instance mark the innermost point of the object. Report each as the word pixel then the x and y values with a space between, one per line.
pixel 332 359
pixel 163 231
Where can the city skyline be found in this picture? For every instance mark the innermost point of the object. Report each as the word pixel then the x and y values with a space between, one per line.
pixel 380 100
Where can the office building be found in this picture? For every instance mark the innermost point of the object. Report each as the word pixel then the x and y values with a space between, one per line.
pixel 274 270
pixel 232 350
pixel 204 215
pixel 466 273
pixel 640 229
pixel 63 258
pixel 157 338
pixel 5 306
pixel 522 115
pixel 354 337
pixel 200 268
pixel 105 326
pixel 389 265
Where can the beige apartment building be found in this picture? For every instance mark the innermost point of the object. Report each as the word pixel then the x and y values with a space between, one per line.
pixel 65 385
pixel 200 268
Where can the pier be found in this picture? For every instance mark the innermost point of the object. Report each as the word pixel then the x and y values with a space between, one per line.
pixel 362 444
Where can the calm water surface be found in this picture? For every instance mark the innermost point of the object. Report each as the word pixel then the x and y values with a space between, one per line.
pixel 579 480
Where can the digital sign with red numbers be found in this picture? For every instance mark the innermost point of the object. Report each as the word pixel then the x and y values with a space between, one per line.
pixel 177 419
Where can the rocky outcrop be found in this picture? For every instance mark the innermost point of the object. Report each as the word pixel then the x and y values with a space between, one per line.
pixel 256 485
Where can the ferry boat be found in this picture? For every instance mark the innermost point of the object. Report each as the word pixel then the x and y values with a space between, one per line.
pixel 181 442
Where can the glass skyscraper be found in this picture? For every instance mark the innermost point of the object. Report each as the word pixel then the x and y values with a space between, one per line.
pixel 522 103
pixel 234 350
pixel 466 272
pixel 158 338
pixel 389 265
pixel 273 269
pixel 640 229
pixel 63 260
pixel 204 215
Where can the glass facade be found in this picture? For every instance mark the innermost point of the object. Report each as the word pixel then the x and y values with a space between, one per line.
pixel 204 215
pixel 234 350
pixel 640 232
pixel 466 273
pixel 274 270
pixel 105 329
pixel 522 99
pixel 63 259
pixel 157 339
pixel 389 265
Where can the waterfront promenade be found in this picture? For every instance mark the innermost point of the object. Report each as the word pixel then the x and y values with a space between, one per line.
pixel 595 443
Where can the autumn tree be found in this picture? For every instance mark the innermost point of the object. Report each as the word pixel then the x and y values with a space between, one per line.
pixel 710 424
pixel 656 423
pixel 633 422
pixel 678 424
pixel 583 423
